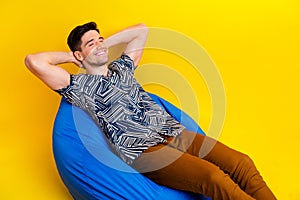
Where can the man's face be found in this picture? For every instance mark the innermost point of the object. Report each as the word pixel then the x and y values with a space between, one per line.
pixel 93 51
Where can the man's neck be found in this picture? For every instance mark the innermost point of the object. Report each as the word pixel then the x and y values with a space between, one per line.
pixel 97 70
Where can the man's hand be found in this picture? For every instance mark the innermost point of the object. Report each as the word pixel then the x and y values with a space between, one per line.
pixel 75 61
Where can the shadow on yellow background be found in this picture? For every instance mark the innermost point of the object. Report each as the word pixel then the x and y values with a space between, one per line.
pixel 255 45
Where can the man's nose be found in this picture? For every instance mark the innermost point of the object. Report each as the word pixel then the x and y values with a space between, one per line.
pixel 99 45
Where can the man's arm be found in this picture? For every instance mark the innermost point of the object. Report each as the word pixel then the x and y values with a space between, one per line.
pixel 135 37
pixel 44 66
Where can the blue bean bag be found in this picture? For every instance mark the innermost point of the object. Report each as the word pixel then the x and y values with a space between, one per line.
pixel 89 168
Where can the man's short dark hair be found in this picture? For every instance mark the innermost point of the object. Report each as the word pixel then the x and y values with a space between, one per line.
pixel 74 38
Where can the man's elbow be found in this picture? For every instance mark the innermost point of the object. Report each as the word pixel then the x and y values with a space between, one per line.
pixel 143 27
pixel 29 61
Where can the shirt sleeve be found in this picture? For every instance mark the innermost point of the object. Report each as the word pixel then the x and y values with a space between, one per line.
pixel 124 63
pixel 128 62
pixel 71 92
pixel 61 91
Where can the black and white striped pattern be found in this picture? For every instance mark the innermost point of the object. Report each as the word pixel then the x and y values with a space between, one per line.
pixel 130 119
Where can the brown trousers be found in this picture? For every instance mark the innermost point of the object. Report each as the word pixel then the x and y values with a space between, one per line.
pixel 199 164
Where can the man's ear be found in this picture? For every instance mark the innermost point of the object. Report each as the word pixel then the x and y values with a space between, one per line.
pixel 78 55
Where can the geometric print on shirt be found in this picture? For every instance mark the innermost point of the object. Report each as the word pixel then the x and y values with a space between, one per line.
pixel 130 119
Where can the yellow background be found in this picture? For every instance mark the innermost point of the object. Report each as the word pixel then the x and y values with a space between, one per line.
pixel 255 45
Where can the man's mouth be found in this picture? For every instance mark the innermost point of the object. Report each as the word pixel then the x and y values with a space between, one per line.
pixel 100 52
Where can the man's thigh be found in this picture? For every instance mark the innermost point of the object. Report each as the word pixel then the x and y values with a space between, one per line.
pixel 187 172
pixel 156 158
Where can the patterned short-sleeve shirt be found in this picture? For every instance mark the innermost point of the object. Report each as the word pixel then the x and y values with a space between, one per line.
pixel 125 113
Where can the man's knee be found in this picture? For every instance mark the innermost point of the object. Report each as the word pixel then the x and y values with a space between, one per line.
pixel 246 161
pixel 215 176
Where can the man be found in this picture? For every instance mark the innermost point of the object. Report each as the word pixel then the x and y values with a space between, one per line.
pixel 135 125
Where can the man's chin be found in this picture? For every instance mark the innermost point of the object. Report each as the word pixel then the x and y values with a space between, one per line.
pixel 101 62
